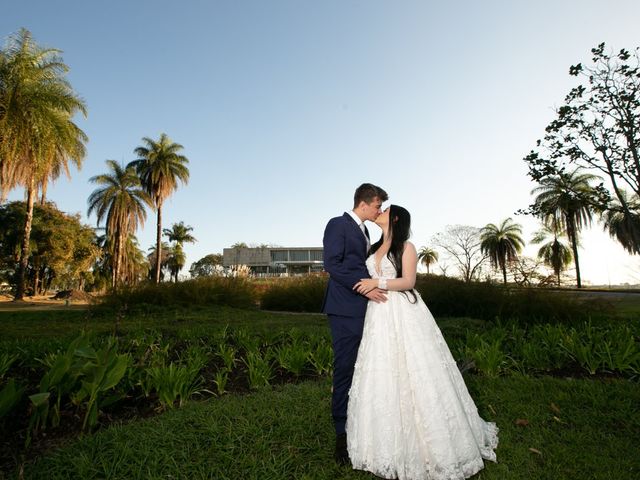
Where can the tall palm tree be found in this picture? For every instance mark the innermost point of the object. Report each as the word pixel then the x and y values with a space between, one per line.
pixel 553 251
pixel 622 220
pixel 120 200
pixel 37 105
pixel 502 244
pixel 427 256
pixel 569 198
pixel 160 166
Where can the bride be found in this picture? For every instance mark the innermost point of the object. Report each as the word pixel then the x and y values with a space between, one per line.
pixel 410 415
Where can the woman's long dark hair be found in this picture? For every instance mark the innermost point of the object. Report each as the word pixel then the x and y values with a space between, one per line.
pixel 399 231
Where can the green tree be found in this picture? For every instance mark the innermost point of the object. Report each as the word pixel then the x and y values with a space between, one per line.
pixel 502 243
pixel 37 133
pixel 206 266
pixel 165 252
pixel 598 128
pixel 568 199
pixel 622 221
pixel 135 265
pixel 62 250
pixel 180 233
pixel 176 260
pixel 554 252
pixel 160 167
pixel 427 256
pixel 120 201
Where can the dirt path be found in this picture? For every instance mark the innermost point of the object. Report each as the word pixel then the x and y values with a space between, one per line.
pixel 40 303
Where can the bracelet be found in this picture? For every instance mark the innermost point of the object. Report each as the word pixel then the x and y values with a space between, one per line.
pixel 382 283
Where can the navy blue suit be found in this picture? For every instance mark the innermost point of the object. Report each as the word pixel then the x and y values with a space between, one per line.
pixel 345 253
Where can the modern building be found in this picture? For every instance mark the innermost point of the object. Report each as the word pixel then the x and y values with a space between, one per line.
pixel 275 261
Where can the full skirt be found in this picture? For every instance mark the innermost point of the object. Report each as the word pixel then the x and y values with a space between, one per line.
pixel 410 415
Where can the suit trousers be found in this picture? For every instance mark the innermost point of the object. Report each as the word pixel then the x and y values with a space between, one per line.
pixel 346 334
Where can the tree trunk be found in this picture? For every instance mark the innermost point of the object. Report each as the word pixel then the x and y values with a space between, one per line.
pixel 117 257
pixel 36 278
pixel 504 273
pixel 43 192
pixel 572 234
pixel 24 255
pixel 158 243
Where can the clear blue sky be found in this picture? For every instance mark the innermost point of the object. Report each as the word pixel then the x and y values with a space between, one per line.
pixel 284 107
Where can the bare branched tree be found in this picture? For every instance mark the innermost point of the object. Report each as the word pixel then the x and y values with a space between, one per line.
pixel 461 243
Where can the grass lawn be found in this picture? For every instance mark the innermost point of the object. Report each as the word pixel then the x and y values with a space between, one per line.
pixel 25 324
pixel 550 428
pixel 592 431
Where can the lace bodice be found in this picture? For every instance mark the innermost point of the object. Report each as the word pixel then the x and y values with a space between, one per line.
pixel 384 270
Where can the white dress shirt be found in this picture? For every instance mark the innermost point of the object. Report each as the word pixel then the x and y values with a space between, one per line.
pixel 360 223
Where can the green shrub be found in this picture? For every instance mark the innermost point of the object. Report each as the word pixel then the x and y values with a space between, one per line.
pixel 451 297
pixel 298 294
pixel 447 297
pixel 203 291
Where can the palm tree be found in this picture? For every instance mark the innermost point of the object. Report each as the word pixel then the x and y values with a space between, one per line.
pixel 134 263
pixel 165 251
pixel 121 201
pixel 553 251
pixel 179 233
pixel 568 198
pixel 160 166
pixel 622 220
pixel 176 261
pixel 427 256
pixel 37 105
pixel 502 244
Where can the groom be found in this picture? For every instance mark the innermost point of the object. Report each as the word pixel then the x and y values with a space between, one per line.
pixel 346 245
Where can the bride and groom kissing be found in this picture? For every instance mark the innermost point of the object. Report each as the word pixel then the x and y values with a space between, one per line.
pixel 399 403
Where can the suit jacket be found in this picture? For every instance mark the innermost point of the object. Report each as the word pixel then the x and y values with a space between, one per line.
pixel 344 256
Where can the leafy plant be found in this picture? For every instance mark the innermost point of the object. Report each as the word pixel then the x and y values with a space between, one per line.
pixel 220 379
pixel 620 352
pixel 102 371
pixel 489 358
pixel 10 395
pixel 5 362
pixel 247 340
pixel 293 357
pixel 174 383
pixel 584 348
pixel 65 369
pixel 227 354
pixel 321 358
pixel 259 369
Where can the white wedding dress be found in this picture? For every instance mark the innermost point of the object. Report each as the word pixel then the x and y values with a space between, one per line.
pixel 410 415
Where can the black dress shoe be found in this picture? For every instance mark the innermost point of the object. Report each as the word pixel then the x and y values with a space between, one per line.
pixel 342 455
